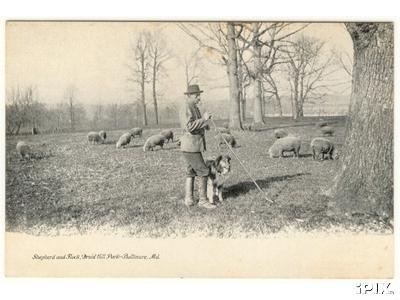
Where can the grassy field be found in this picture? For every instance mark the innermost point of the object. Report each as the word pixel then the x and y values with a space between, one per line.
pixel 80 188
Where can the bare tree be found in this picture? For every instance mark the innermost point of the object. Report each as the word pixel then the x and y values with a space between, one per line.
pixel 70 96
pixel 97 115
pixel 14 111
pixel 273 91
pixel 158 55
pixel 139 68
pixel 112 112
pixel 23 109
pixel 365 181
pixel 307 71
pixel 192 64
pixel 60 117
pixel 219 42
pixel 243 79
pixel 265 42
pixel 234 115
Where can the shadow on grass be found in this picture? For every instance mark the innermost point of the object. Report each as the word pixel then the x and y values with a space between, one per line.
pixel 244 187
pixel 291 156
pixel 136 146
pixel 109 142
pixel 305 155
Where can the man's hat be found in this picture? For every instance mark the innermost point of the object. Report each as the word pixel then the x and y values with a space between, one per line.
pixel 193 89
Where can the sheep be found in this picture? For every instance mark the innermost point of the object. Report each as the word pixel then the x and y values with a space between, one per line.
pixel 323 146
pixel 124 140
pixel 24 150
pixel 285 144
pixel 280 133
pixel 228 137
pixel 153 141
pixel 137 131
pixel 168 135
pixel 327 130
pixel 103 134
pixel 94 137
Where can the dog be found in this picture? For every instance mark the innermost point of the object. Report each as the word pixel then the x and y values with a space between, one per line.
pixel 219 172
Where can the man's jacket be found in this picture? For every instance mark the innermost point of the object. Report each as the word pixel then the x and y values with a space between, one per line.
pixel 194 127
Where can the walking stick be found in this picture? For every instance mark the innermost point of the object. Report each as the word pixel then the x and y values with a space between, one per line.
pixel 243 166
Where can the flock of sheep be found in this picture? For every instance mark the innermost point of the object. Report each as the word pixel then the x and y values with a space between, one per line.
pixel 284 142
pixel 125 139
pixel 288 143
pixel 319 146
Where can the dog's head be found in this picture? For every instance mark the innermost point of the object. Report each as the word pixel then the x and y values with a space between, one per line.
pixel 222 164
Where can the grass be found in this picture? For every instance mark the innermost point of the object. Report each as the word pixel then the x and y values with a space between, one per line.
pixel 77 188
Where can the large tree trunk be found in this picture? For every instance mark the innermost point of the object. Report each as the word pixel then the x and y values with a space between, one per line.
pixel 234 112
pixel 278 104
pixel 300 107
pixel 365 181
pixel 242 100
pixel 295 98
pixel 257 83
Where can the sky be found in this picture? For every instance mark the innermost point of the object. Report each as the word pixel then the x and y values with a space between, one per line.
pixel 92 56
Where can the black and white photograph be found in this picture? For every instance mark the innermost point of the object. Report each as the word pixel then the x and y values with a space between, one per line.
pixel 177 148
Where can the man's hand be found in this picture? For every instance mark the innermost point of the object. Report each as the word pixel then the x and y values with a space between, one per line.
pixel 206 116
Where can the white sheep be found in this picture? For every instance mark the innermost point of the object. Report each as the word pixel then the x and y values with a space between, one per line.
pixel 323 146
pixel 280 133
pixel 168 134
pixel 24 150
pixel 153 141
pixel 137 131
pixel 94 137
pixel 285 144
pixel 124 140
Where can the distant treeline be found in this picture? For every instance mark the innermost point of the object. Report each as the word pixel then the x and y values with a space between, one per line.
pixel 26 114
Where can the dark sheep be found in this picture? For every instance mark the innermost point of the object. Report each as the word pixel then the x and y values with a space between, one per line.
pixel 153 141
pixel 321 146
pixel 168 135
pixel 103 134
pixel 285 144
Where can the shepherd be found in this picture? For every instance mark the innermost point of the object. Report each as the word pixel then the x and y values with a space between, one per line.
pixel 193 143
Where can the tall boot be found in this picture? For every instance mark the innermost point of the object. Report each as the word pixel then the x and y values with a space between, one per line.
pixel 189 186
pixel 203 201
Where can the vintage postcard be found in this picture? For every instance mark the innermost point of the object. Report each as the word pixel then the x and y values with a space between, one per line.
pixel 236 149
